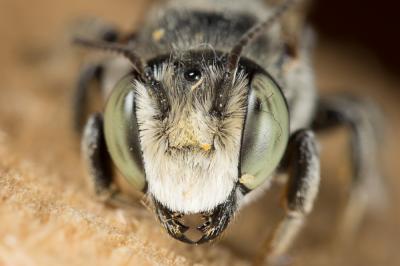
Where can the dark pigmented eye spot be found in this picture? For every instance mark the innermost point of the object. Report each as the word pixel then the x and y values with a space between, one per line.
pixel 192 75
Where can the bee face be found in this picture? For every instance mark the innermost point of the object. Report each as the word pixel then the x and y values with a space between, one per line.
pixel 193 158
pixel 188 150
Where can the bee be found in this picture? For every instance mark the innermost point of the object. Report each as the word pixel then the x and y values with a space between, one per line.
pixel 212 101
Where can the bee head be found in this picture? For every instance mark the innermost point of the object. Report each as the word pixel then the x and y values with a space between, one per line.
pixel 198 130
pixel 198 142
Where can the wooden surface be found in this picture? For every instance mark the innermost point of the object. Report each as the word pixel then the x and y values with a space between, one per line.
pixel 47 216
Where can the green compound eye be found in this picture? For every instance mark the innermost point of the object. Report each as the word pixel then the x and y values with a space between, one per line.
pixel 266 131
pixel 121 132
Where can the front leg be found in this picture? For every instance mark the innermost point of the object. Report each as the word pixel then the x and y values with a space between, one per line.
pixel 98 160
pixel 96 155
pixel 302 187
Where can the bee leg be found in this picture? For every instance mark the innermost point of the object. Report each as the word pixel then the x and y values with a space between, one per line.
pixel 304 174
pixel 89 74
pixel 366 130
pixel 96 155
pixel 98 160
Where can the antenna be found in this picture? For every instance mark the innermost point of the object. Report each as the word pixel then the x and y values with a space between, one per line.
pixel 252 34
pixel 145 73
pixel 124 50
pixel 234 55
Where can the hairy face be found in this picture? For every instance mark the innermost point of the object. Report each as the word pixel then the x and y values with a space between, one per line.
pixel 200 142
pixel 190 156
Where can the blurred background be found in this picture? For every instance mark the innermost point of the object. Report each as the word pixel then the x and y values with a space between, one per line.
pixel 367 24
pixel 47 216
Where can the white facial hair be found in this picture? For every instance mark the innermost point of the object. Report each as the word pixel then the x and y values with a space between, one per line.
pixel 189 179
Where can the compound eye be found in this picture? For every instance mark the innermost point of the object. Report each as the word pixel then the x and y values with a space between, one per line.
pixel 121 132
pixel 266 131
pixel 192 75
